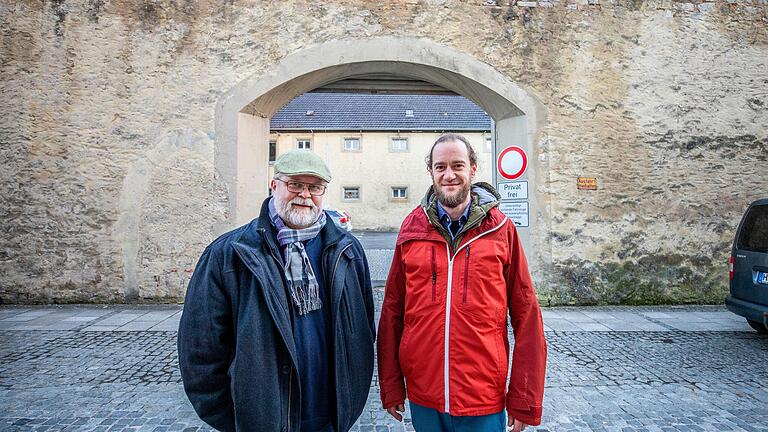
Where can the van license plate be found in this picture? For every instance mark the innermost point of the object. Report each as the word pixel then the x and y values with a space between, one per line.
pixel 762 278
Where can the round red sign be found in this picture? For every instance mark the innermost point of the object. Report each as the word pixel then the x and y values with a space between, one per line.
pixel 512 162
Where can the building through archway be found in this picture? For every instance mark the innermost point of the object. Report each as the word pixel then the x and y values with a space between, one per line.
pixel 375 141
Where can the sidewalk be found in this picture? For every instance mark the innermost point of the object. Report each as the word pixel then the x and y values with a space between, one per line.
pixel 572 319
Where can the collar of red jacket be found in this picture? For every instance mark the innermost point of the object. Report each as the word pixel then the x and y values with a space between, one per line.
pixel 417 225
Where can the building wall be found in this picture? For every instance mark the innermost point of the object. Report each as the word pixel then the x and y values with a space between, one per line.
pixel 107 126
pixel 375 169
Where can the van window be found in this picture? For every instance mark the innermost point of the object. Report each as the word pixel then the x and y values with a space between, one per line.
pixel 754 231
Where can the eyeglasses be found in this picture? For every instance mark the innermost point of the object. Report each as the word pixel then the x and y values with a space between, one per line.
pixel 298 187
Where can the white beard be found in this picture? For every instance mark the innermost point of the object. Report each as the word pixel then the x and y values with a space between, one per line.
pixel 297 218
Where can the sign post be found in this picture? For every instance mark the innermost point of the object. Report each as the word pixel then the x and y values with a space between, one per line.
pixel 511 165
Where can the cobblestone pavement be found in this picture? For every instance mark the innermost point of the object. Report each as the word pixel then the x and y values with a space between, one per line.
pixel 115 369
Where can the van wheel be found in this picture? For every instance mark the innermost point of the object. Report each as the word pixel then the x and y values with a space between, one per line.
pixel 757 326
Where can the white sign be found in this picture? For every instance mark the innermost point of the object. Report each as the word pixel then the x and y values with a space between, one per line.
pixel 517 211
pixel 513 190
pixel 512 162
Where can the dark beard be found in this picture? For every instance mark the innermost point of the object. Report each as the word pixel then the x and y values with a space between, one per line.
pixel 455 199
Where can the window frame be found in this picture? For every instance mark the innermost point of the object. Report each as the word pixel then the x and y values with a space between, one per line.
pixel 350 138
pixel 392 196
pixel 270 155
pixel 359 193
pixel 392 140
pixel 307 140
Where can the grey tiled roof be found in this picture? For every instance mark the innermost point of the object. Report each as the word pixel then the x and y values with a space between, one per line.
pixel 356 111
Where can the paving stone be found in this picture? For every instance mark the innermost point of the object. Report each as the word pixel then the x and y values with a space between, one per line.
pixel 100 328
pixel 137 325
pixel 27 316
pixel 593 326
pixel 605 373
pixel 121 318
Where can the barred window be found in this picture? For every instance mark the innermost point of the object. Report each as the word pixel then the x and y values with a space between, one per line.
pixel 351 193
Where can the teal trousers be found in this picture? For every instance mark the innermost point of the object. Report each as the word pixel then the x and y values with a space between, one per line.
pixel 429 420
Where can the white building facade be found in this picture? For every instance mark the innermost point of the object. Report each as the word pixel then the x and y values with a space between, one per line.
pixel 375 150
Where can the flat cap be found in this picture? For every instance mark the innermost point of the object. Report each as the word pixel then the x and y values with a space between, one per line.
pixel 302 162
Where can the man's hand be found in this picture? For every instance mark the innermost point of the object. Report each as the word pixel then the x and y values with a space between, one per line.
pixel 393 411
pixel 515 424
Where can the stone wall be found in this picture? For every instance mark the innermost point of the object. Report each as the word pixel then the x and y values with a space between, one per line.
pixel 109 191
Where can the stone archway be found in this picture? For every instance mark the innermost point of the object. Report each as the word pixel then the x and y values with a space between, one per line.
pixel 244 112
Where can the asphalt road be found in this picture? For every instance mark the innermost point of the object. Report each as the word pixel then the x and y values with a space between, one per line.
pixel 376 239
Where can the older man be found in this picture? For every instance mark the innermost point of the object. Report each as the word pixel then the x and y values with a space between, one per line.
pixel 458 272
pixel 277 332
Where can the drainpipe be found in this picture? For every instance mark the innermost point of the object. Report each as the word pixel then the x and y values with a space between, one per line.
pixel 495 153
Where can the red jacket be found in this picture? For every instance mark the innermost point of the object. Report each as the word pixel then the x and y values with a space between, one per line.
pixel 443 327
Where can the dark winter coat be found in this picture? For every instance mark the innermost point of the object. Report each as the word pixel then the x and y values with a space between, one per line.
pixel 236 349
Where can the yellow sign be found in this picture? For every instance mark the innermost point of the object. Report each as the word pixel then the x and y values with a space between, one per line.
pixel 586 183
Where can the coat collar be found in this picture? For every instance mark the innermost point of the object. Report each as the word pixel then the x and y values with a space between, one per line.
pixel 261 230
pixel 419 226
pixel 484 200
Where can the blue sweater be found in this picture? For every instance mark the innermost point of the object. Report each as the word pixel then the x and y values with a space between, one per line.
pixel 313 336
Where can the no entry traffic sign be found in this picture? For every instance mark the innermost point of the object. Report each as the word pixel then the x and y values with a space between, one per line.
pixel 512 162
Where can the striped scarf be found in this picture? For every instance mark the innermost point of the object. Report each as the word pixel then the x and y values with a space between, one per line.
pixel 302 283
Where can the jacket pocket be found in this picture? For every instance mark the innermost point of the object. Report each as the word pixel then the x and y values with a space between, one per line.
pixel 434 276
pixel 348 311
pixel 466 277
pixel 502 363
